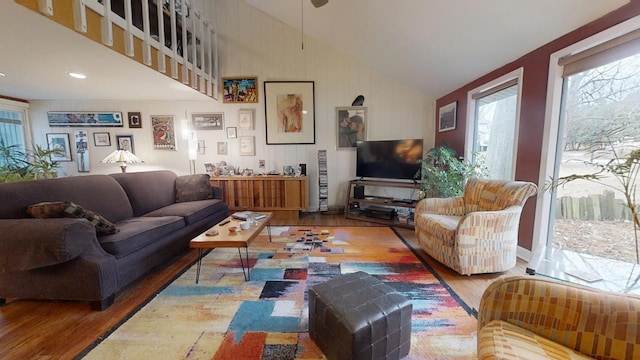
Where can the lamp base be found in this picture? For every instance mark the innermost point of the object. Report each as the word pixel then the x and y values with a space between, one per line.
pixel 124 168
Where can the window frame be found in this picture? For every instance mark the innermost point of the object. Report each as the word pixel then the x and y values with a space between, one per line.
pixel 545 201
pixel 472 99
pixel 22 107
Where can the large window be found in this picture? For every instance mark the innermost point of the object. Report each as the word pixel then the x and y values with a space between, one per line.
pixel 593 129
pixel 12 125
pixel 494 128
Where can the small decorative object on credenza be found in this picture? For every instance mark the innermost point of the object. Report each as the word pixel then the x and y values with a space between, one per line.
pixel 122 157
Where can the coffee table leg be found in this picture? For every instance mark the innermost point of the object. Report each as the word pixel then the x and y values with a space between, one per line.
pixel 269 230
pixel 198 265
pixel 247 275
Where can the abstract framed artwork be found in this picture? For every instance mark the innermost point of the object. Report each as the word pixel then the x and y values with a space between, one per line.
pixel 351 126
pixel 247 145
pixel 101 139
pixel 61 143
pixel 208 121
pixel 290 112
pixel 125 142
pixel 447 117
pixel 240 90
pixel 164 132
pixel 85 118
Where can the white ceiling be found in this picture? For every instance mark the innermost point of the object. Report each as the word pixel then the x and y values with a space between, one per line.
pixel 435 46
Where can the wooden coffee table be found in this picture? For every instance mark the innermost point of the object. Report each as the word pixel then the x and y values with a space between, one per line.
pixel 226 239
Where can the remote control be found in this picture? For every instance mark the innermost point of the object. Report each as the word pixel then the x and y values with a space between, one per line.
pixel 225 222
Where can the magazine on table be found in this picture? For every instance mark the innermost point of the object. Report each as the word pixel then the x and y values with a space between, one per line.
pixel 244 215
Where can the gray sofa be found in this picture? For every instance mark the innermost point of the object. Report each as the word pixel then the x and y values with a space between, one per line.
pixel 155 215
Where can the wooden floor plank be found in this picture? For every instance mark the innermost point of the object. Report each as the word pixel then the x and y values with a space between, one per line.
pixel 62 329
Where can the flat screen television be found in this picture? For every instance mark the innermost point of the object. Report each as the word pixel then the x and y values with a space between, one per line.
pixel 388 159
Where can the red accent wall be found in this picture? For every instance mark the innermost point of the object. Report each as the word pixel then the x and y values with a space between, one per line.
pixel 533 102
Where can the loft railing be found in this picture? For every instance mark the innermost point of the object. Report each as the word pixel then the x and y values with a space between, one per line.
pixel 166 35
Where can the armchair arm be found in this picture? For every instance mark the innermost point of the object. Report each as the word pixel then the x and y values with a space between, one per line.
pixel 592 322
pixel 216 191
pixel 27 244
pixel 443 206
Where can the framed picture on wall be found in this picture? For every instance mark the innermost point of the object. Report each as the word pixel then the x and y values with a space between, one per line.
pixel 247 145
pixel 101 139
pixel 164 132
pixel 350 126
pixel 85 119
pixel 125 142
pixel 447 117
pixel 232 132
pixel 240 90
pixel 210 121
pixel 245 119
pixel 59 142
pixel 290 112
pixel 135 122
pixel 222 148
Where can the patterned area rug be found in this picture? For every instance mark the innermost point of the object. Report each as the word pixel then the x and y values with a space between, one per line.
pixel 224 317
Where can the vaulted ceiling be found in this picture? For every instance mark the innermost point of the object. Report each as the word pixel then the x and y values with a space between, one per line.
pixel 435 46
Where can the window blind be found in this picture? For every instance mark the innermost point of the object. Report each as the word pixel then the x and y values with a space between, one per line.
pixel 605 53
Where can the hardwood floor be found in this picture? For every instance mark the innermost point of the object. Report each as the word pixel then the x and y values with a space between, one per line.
pixel 63 329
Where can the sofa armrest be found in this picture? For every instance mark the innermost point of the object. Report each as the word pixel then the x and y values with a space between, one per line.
pixel 592 322
pixel 216 191
pixel 27 244
pixel 443 206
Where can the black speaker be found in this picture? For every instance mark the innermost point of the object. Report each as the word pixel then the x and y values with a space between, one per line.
pixel 358 191
pixel 303 169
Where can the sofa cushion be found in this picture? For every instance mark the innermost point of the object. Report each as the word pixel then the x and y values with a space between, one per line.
pixel 58 209
pixel 440 226
pixel 193 188
pixel 502 340
pixel 149 190
pixel 191 211
pixel 47 210
pixel 100 193
pixel 137 232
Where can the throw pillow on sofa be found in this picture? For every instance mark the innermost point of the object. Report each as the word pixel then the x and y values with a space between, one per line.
pixel 58 209
pixel 193 188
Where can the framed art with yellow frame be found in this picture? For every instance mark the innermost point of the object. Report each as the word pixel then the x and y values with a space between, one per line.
pixel 240 90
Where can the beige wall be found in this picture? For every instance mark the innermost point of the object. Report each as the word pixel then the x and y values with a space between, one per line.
pixel 254 44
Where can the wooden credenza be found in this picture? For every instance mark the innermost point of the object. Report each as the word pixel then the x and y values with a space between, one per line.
pixel 285 196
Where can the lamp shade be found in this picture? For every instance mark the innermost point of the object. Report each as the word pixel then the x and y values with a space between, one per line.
pixel 121 156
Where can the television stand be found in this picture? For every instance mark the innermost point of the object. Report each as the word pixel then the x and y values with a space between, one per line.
pixel 378 208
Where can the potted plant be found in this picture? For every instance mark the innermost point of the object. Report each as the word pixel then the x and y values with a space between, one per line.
pixel 19 165
pixel 442 174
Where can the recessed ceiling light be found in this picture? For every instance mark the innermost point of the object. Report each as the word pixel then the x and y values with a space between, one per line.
pixel 2 75
pixel 76 75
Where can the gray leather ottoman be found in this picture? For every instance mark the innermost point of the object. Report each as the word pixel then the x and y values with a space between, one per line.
pixel 356 316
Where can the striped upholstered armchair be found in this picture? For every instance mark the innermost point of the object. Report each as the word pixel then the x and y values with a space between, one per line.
pixel 531 317
pixel 477 232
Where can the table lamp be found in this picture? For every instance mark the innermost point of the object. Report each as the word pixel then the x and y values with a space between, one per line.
pixel 123 157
